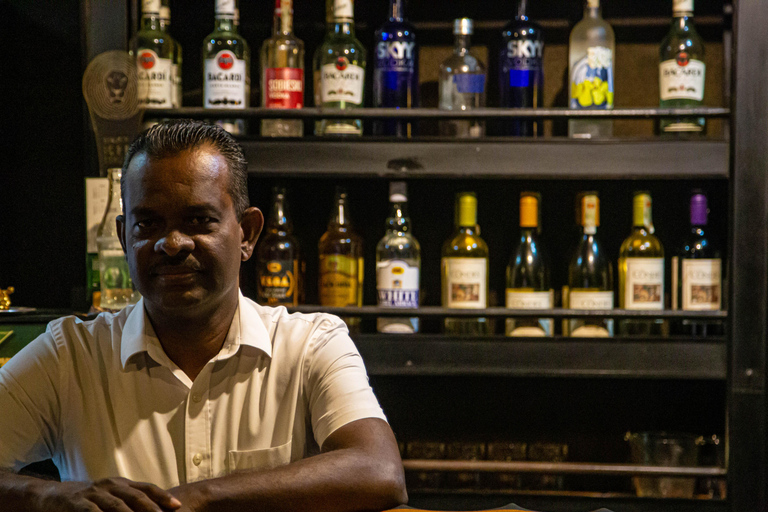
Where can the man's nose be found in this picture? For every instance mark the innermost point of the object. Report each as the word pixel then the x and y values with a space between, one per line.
pixel 174 242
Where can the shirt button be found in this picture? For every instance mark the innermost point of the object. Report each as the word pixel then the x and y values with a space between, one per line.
pixel 196 397
pixel 197 459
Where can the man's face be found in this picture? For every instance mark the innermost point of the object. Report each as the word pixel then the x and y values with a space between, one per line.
pixel 182 238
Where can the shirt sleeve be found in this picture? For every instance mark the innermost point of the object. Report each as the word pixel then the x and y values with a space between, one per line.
pixel 337 384
pixel 30 406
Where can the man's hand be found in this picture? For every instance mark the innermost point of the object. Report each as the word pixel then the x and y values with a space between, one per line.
pixel 108 495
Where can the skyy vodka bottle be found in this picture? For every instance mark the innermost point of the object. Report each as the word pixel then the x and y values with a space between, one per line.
pixel 396 70
pixel 521 71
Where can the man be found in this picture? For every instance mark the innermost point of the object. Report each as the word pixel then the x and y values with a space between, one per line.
pixel 197 398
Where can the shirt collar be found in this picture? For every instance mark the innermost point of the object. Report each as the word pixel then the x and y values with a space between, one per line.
pixel 247 329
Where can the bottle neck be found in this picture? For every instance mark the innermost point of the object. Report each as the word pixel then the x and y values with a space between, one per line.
pixel 461 44
pixel 398 220
pixel 279 218
pixel 283 19
pixel 115 202
pixel 592 9
pixel 681 20
pixel 396 10
pixel 152 22
pixel 340 217
pixel 226 24
pixel 522 10
pixel 342 26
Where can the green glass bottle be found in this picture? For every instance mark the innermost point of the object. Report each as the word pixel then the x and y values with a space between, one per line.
pixel 339 70
pixel 154 50
pixel 464 267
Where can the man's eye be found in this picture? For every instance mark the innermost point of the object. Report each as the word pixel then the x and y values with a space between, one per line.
pixel 144 224
pixel 198 221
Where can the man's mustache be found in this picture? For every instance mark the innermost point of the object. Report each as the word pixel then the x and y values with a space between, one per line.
pixel 175 266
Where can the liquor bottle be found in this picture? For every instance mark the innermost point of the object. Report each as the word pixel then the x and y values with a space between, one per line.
pixel 591 65
pixel 590 274
pixel 279 272
pixel 398 264
pixel 341 261
pixel 682 70
pixel 528 274
pixel 282 72
pixel 154 50
pixel 697 271
pixel 462 84
pixel 464 267
pixel 521 71
pixel 227 66
pixel 165 19
pixel 641 270
pixel 396 70
pixel 339 66
pixel 117 289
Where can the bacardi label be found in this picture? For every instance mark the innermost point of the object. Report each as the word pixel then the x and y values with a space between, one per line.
pixel 465 282
pixel 682 78
pixel 155 79
pixel 644 287
pixel 590 300
pixel 592 80
pixel 284 87
pixel 397 284
pixel 340 278
pixel 702 284
pixel 226 81
pixel 522 63
pixel 342 81
pixel 277 282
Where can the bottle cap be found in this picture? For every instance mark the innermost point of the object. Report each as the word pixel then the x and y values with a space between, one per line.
pixel 467 203
pixel 462 26
pixel 398 192
pixel 641 210
pixel 682 7
pixel 699 209
pixel 529 210
pixel 150 7
pixel 590 212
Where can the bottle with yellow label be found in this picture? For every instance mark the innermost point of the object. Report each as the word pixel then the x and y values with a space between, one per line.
pixel 590 275
pixel 279 270
pixel 641 271
pixel 341 261
pixel 528 274
pixel 465 270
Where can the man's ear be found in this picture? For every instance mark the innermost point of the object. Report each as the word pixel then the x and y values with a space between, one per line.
pixel 120 221
pixel 250 226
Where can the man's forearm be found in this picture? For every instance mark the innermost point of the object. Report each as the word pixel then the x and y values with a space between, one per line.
pixel 355 478
pixel 23 493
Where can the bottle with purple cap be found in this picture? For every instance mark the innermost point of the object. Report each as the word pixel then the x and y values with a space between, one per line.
pixel 699 270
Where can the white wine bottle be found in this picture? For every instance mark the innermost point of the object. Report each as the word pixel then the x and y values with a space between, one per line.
pixel 641 271
pixel 464 267
pixel 590 274
pixel 528 274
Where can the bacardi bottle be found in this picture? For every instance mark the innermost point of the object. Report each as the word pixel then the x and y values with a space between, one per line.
pixel 462 84
pixel 591 65
pixel 396 70
pixel 154 50
pixel 339 68
pixel 282 72
pixel 165 19
pixel 521 71
pixel 682 70
pixel 398 264
pixel 227 66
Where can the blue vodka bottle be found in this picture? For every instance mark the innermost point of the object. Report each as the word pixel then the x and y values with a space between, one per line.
pixel 521 71
pixel 396 70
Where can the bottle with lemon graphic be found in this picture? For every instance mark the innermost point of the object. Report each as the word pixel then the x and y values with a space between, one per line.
pixel 591 61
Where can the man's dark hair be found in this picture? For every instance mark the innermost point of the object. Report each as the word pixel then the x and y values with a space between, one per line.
pixel 172 137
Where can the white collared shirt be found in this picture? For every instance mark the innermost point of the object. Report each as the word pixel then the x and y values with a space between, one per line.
pixel 102 399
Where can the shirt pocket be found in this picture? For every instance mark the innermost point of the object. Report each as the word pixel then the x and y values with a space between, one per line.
pixel 265 458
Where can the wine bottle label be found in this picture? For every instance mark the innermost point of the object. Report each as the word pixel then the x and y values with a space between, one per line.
pixel 284 87
pixel 522 63
pixel 592 80
pixel 467 83
pixel 702 288
pixel 590 300
pixel 682 78
pixel 517 299
pixel 277 282
pixel 343 9
pixel 155 80
pixel 644 283
pixel 342 81
pixel 397 284
pixel 150 7
pixel 465 282
pixel 340 278
pixel 225 81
